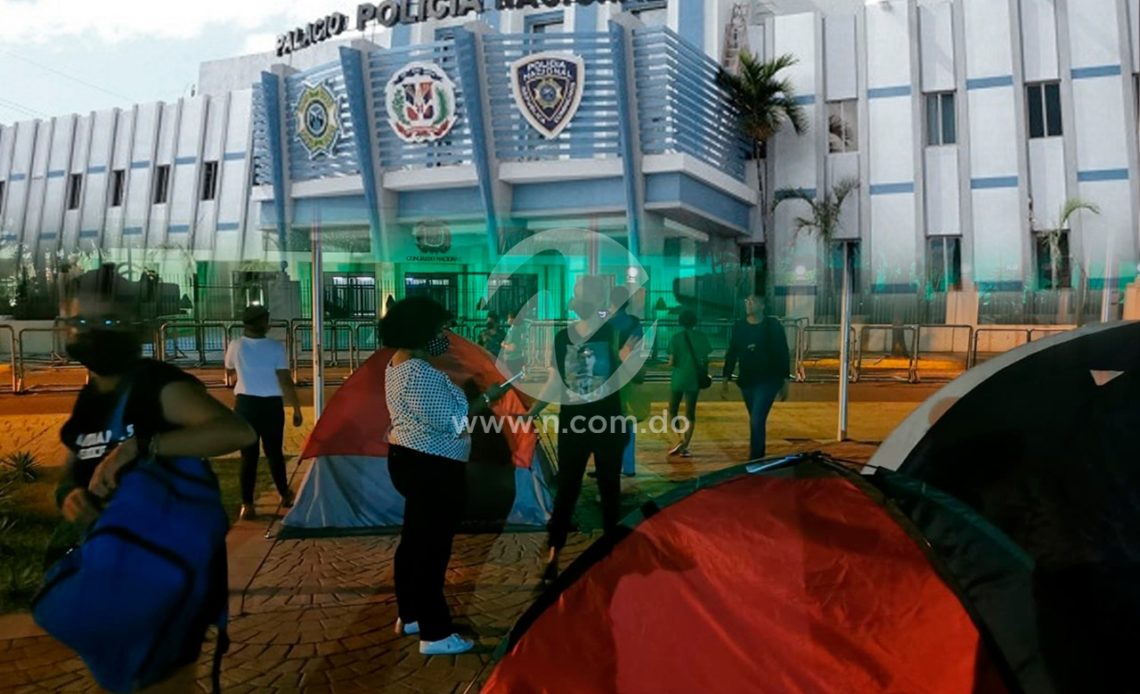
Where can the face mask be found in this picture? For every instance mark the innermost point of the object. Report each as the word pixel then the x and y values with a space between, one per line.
pixel 105 352
pixel 437 346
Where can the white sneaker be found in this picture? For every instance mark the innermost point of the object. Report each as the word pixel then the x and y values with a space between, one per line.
pixel 452 645
pixel 407 629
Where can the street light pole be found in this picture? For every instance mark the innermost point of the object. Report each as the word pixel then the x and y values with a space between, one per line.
pixel 844 342
pixel 318 302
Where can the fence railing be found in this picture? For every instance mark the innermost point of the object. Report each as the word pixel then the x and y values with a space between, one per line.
pixel 911 352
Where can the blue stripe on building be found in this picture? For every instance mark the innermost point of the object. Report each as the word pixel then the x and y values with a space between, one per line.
pixel 796 290
pixel 993 182
pixel 132 231
pixel 97 169
pixel 89 234
pixel 681 189
pixel 898 288
pixel 889 92
pixel 16 177
pixel 228 226
pixel 805 99
pixel 178 229
pixel 1084 73
pixel 989 82
pixel 50 236
pixel 8 237
pixel 55 173
pixel 1097 175
pixel 892 188
pixel 1000 286
pixel 180 161
pixel 581 195
pixel 234 156
pixel 141 164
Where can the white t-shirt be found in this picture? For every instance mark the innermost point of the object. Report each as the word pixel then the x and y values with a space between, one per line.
pixel 428 411
pixel 257 361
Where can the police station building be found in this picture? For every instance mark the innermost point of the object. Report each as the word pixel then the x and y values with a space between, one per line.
pixel 422 139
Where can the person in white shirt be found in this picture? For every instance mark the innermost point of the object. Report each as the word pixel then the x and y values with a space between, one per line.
pixel 263 386
pixel 428 448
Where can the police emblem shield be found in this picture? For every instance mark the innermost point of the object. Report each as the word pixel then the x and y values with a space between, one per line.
pixel 318 120
pixel 548 90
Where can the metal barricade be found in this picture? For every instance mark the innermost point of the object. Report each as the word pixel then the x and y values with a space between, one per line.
pixel 13 356
pixel 193 343
pixel 366 338
pixel 53 357
pixel 795 346
pixel 936 357
pixel 302 332
pixel 821 354
pixel 1015 333
pixel 888 364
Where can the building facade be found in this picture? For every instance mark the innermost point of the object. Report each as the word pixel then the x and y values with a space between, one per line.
pixel 968 124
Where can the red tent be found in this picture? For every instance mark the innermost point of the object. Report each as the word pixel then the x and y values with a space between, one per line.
pixel 347 487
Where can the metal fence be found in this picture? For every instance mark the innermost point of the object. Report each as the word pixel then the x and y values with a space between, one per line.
pixel 905 353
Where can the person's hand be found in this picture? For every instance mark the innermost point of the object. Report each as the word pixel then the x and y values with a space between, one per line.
pixel 298 419
pixel 105 478
pixel 79 508
pixel 497 391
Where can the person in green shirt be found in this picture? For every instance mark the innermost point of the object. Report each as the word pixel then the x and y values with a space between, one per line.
pixel 689 356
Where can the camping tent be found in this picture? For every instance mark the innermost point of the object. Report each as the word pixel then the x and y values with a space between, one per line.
pixel 348 488
pixel 994 548
pixel 793 576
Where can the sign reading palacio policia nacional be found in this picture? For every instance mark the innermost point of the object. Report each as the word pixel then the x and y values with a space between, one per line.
pixel 389 13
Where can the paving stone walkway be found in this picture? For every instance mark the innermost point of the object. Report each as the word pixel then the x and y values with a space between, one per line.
pixel 318 614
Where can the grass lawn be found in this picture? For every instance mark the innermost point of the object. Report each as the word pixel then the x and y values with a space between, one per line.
pixel 29 519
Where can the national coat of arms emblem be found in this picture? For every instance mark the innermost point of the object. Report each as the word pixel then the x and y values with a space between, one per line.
pixel 548 90
pixel 421 102
pixel 318 120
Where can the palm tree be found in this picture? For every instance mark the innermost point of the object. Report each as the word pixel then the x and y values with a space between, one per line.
pixel 1053 235
pixel 764 102
pixel 823 222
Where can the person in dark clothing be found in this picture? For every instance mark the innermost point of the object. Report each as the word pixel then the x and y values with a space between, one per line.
pixel 759 346
pixel 168 414
pixel 587 384
pixel 259 370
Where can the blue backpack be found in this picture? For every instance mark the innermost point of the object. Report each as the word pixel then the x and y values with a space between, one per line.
pixel 149 576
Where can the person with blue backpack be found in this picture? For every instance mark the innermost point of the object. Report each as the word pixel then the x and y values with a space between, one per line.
pixel 135 598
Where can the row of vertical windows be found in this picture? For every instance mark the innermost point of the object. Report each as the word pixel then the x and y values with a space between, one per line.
pixel 161 189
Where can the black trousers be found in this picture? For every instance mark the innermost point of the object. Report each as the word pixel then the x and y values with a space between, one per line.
pixel 267 417
pixel 574 451
pixel 435 492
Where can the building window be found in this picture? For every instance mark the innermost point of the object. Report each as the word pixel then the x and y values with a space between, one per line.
pixel 545 23
pixel 161 184
pixel 210 180
pixel 74 188
pixel 1044 107
pixel 941 120
pixel 843 126
pixel 118 187
pixel 944 263
pixel 651 13
pixel 1048 275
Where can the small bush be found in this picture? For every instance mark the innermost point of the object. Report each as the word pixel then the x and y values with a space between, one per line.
pixel 23 466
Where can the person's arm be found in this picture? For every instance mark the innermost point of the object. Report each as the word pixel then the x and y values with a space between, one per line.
pixel 207 428
pixel 231 363
pixel 71 496
pixel 730 356
pixel 288 388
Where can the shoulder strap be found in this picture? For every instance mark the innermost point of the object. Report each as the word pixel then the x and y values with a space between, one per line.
pixel 692 352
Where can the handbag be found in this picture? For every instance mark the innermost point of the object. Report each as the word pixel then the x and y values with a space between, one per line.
pixel 703 379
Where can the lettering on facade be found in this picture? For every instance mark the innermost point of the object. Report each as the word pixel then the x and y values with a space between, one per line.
pixel 389 13
pixel 312 33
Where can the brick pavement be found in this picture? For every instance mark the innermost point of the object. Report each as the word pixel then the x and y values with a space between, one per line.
pixel 318 613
